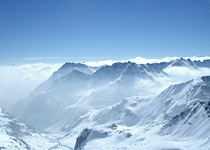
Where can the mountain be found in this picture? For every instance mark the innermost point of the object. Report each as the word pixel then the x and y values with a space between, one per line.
pixel 15 135
pixel 76 88
pixel 174 119
pixel 44 101
pixel 189 112
pixel 123 106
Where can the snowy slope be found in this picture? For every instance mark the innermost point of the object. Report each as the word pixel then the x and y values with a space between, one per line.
pixel 15 135
pixel 174 119
pixel 189 114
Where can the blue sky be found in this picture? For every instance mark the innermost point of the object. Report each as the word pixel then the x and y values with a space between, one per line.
pixel 103 29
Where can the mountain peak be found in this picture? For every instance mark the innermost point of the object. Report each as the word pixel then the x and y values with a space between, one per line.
pixel 182 62
pixel 68 65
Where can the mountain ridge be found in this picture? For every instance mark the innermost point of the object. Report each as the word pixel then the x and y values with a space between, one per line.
pixel 70 83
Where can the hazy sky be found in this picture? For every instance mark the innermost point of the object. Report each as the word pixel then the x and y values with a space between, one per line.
pixel 103 29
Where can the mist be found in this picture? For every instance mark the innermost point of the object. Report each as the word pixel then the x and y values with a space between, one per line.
pixel 17 81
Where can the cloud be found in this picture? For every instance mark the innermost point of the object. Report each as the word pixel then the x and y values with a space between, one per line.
pixel 100 63
pixel 181 74
pixel 178 74
pixel 138 60
pixel 18 81
pixel 141 60
pixel 194 58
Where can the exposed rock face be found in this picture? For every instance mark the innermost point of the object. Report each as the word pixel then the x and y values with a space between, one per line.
pixel 88 135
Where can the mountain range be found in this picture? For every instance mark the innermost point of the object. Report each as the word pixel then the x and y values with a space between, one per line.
pixel 122 106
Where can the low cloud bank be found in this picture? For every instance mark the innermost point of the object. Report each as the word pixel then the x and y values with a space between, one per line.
pixel 18 81
pixel 140 60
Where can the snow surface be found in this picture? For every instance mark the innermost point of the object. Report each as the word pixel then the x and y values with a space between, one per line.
pixel 15 135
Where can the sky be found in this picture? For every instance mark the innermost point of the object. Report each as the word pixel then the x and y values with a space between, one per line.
pixel 84 30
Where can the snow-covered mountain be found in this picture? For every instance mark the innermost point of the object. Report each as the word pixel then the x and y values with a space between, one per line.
pixel 124 106
pixel 15 135
pixel 76 88
pixel 71 91
pixel 174 119
pixel 188 109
